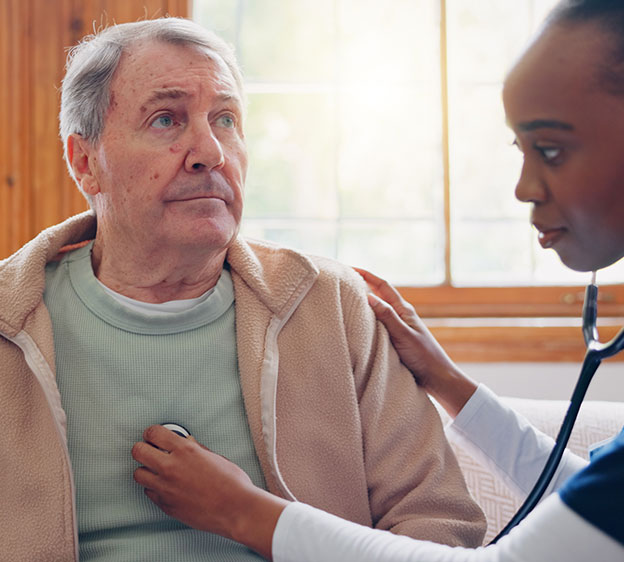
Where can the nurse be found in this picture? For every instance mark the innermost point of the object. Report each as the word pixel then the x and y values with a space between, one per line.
pixel 564 100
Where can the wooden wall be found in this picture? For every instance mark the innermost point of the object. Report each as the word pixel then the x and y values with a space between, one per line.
pixel 35 188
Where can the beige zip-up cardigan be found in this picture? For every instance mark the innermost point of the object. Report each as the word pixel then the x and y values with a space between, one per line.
pixel 336 420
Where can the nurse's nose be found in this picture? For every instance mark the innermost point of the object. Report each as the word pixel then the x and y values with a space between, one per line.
pixel 530 187
pixel 205 151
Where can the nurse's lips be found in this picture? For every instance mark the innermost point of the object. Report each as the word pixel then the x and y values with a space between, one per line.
pixel 547 237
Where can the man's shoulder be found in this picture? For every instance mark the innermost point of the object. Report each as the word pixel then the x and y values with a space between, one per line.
pixel 281 276
pixel 22 275
pixel 29 262
pixel 328 269
pixel 53 241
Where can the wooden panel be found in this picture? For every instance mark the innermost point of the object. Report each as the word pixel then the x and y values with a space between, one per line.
pixel 122 11
pixel 553 301
pixel 46 69
pixel 5 113
pixel 22 96
pixel 86 17
pixel 35 188
pixel 514 324
pixel 180 8
pixel 15 222
pixel 484 343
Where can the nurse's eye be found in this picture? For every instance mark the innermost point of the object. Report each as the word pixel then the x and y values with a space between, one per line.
pixel 163 122
pixel 549 153
pixel 226 120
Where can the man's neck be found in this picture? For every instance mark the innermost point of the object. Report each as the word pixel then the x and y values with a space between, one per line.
pixel 157 276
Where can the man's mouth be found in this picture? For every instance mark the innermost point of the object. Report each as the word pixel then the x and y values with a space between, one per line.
pixel 196 197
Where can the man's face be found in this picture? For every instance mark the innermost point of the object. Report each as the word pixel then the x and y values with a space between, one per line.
pixel 169 168
pixel 570 131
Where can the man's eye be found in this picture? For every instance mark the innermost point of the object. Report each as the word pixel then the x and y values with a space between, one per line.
pixel 226 121
pixel 162 122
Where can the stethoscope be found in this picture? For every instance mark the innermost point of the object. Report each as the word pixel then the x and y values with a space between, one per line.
pixel 596 352
pixel 177 429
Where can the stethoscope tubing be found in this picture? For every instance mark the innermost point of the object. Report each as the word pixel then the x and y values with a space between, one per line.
pixel 590 365
pixel 596 352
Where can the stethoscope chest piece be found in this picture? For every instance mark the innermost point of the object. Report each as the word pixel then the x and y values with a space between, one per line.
pixel 178 429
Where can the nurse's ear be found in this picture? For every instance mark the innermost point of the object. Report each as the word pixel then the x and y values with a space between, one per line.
pixel 81 158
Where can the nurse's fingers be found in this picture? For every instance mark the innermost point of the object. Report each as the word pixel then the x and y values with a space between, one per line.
pixel 145 478
pixel 149 456
pixel 154 450
pixel 388 316
pixel 387 295
pixel 163 438
pixel 385 291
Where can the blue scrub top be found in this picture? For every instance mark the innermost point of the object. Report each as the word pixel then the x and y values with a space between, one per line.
pixel 596 493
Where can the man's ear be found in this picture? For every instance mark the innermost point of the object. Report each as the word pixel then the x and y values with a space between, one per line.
pixel 80 155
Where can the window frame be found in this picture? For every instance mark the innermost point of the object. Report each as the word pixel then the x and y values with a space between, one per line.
pixel 502 323
pixel 514 324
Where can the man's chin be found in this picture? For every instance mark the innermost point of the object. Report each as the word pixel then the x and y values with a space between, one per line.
pixel 205 235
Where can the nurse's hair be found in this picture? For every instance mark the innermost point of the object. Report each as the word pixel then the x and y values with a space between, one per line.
pixel 85 93
pixel 608 15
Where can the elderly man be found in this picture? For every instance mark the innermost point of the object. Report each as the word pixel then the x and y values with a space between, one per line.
pixel 151 309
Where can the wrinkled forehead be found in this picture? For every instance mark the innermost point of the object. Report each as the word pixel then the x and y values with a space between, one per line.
pixel 152 63
pixel 224 71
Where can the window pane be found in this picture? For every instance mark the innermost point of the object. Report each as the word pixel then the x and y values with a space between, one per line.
pixel 491 239
pixel 402 250
pixel 287 41
pixel 218 15
pixel 484 162
pixel 312 236
pixel 344 133
pixel 492 252
pixel 387 43
pixel 291 140
pixel 388 164
pixel 276 40
pixel 344 128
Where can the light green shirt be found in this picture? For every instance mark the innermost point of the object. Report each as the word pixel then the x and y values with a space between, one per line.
pixel 120 370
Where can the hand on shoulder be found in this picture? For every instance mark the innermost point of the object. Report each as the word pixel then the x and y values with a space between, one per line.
pixel 419 351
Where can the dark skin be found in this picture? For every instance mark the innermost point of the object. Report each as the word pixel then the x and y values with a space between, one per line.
pixel 176 479
pixel 419 351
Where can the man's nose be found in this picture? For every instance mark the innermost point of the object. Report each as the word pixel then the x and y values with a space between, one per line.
pixel 530 187
pixel 205 151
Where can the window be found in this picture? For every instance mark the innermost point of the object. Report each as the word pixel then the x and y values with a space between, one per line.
pixel 376 136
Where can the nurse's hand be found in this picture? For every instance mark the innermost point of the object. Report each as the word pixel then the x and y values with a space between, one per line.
pixel 419 351
pixel 205 490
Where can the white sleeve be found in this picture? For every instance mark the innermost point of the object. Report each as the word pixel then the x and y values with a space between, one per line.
pixel 507 444
pixel 551 532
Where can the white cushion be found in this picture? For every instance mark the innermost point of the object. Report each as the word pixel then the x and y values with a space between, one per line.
pixel 596 421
